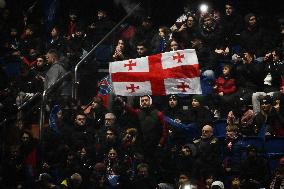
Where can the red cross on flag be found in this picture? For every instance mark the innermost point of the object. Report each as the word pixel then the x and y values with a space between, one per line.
pixel 175 72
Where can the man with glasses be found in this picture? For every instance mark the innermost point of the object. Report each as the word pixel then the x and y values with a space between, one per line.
pixel 208 159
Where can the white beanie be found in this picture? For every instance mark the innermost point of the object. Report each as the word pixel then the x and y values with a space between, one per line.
pixel 218 183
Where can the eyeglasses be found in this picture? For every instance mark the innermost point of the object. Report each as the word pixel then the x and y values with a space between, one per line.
pixel 81 119
pixel 206 131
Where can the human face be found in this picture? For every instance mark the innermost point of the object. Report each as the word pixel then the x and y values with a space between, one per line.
pixel 161 32
pixel 185 151
pixel 29 31
pixel 145 102
pixel 73 17
pixel 207 132
pixel 228 10
pixel 101 15
pixel 143 171
pixel 195 103
pixel 208 21
pixel 54 32
pixel 231 134
pixel 95 105
pixel 49 58
pixel 110 135
pixel 265 107
pixel 120 44
pixel 83 152
pixel 252 21
pixel 39 62
pixel 236 183
pixel 60 115
pixel 247 58
pixel 182 179
pixel 275 57
pixel 141 50
pixel 25 137
pixel 172 102
pixel 112 154
pixel 80 120
pixel 226 71
pixel 190 22
pixel 109 119
pixel 174 46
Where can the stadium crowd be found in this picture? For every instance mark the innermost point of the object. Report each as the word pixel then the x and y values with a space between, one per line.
pixel 215 140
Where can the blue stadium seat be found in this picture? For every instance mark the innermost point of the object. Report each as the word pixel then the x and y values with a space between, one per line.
pixel 256 141
pixel 274 146
pixel 220 128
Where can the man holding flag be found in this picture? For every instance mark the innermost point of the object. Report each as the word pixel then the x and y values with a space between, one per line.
pixel 174 72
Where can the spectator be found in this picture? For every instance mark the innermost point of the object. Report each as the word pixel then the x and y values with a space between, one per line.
pixel 232 23
pixel 145 31
pixel 153 129
pixel 254 170
pixel 160 41
pixel 242 116
pixel 29 154
pixel 262 118
pixel 254 37
pixel 205 60
pixel 122 51
pixel 187 31
pixel 208 160
pixel 45 182
pixel 232 152
pixel 210 31
pixel 82 133
pixel 142 50
pixel 278 178
pixel 247 72
pixel 144 179
pixel 174 45
pixel 175 112
pixel 55 72
pixel 56 41
pixel 95 112
pixel 72 24
pixel 198 114
pixel 225 89
pixel 272 71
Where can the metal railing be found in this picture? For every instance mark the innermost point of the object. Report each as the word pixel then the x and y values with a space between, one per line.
pixel 44 98
pixel 20 108
pixel 76 80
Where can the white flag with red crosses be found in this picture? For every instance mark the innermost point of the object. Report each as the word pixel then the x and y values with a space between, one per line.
pixel 175 72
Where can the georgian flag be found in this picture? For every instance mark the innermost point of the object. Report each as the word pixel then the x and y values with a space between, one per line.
pixel 175 72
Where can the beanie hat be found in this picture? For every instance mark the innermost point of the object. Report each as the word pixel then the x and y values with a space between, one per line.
pixel 266 100
pixel 218 183
pixel 199 98
pixel 248 16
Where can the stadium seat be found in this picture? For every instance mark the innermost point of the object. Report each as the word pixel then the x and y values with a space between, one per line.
pixel 220 128
pixel 274 146
pixel 256 141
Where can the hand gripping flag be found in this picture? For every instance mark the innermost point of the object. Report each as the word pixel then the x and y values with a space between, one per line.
pixel 175 72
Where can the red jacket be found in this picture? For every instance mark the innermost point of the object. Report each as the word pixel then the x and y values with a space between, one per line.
pixel 227 86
